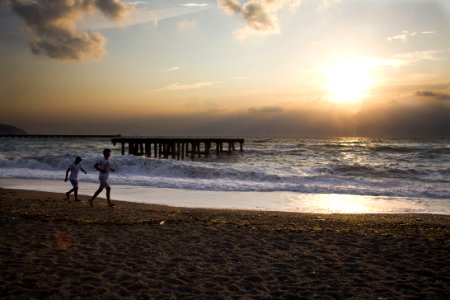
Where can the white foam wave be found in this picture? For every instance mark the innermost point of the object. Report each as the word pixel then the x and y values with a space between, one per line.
pixel 265 167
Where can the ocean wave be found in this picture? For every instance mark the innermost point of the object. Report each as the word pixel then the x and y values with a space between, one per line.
pixel 393 149
pixel 270 171
pixel 386 172
pixel 421 150
pixel 315 184
pixel 263 141
pixel 296 165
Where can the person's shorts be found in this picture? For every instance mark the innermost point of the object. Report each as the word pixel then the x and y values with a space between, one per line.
pixel 104 182
pixel 74 183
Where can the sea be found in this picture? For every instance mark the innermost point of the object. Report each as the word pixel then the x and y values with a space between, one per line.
pixel 326 175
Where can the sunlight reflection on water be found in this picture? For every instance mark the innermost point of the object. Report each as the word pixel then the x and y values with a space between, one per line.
pixel 267 201
pixel 343 203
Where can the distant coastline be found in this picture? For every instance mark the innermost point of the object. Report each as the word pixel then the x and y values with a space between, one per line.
pixel 6 129
pixel 60 135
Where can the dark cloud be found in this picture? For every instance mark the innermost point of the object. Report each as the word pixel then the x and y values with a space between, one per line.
pixel 65 45
pixel 438 96
pixel 255 13
pixel 403 120
pixel 51 25
pixel 230 6
pixel 114 9
pixel 259 15
pixel 387 121
pixel 381 121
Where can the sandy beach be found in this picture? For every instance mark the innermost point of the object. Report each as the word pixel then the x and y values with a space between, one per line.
pixel 58 249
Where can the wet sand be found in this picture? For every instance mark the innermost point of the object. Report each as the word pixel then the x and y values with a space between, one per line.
pixel 58 249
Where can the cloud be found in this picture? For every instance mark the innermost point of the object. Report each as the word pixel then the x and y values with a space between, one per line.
pixel 194 4
pixel 259 15
pixel 432 55
pixel 182 86
pixel 179 86
pixel 396 119
pixel 186 24
pixel 114 9
pixel 171 69
pixel 52 26
pixel 266 109
pixel 431 94
pixel 205 106
pixel 230 6
pixel 402 36
pixel 137 3
pixel 387 119
pixel 155 11
pixel 421 77
pixel 405 35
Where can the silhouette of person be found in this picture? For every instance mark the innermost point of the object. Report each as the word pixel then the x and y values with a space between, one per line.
pixel 103 166
pixel 74 169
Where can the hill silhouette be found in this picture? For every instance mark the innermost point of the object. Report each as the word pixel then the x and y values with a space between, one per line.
pixel 11 130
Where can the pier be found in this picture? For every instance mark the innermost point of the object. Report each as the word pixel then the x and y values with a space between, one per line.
pixel 178 148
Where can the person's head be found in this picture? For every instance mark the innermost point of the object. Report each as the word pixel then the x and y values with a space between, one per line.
pixel 77 160
pixel 107 152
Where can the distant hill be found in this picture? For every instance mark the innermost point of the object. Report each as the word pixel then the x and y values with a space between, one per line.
pixel 11 130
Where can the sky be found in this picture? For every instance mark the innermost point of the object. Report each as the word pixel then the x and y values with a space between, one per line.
pixel 286 68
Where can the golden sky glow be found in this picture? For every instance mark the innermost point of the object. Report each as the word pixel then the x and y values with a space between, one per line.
pixel 227 67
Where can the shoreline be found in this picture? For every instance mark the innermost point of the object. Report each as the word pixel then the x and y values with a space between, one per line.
pixel 261 201
pixel 54 248
pixel 53 207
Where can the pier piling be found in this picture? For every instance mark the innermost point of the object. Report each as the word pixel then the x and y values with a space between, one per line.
pixel 177 148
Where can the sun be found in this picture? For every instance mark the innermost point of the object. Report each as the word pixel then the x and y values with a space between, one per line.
pixel 349 81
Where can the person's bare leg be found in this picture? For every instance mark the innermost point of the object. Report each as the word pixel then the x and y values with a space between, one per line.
pixel 100 189
pixel 75 192
pixel 68 194
pixel 108 197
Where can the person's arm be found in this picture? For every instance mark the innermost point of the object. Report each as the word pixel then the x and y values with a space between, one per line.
pixel 83 170
pixel 67 174
pixel 97 167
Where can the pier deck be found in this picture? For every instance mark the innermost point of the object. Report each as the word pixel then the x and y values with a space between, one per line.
pixel 179 148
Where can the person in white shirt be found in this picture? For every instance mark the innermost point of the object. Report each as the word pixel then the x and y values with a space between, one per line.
pixel 74 169
pixel 104 167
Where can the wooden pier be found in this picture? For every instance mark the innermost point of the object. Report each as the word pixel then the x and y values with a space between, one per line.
pixel 179 148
